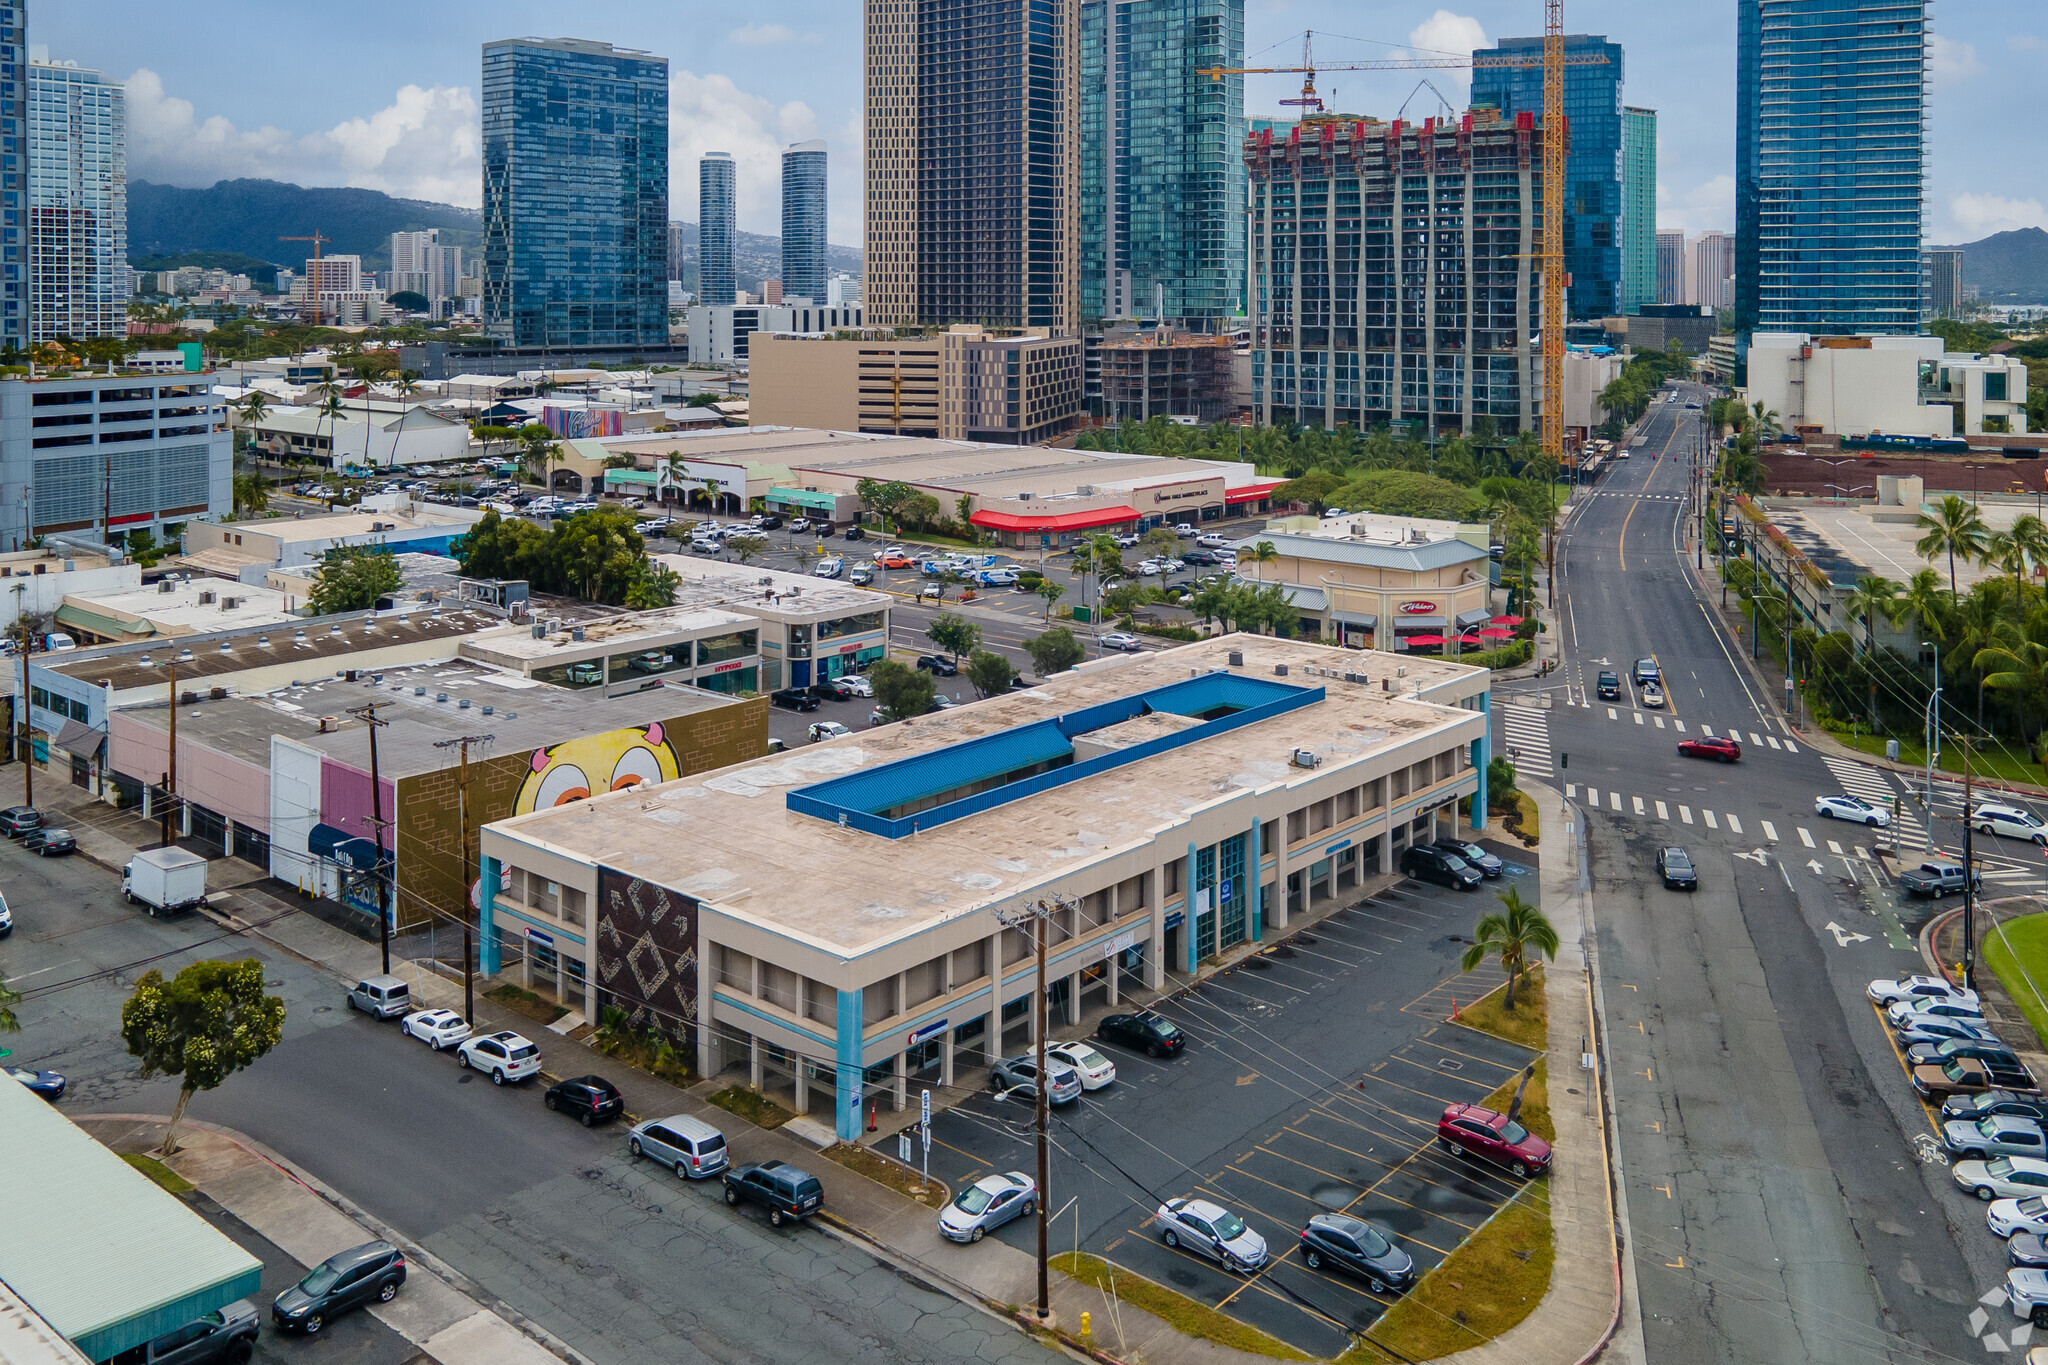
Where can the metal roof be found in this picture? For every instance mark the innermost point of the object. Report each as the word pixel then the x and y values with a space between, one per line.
pixel 1436 554
pixel 95 1246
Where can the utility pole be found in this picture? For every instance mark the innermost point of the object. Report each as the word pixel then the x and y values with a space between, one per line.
pixel 26 751
pixel 171 773
pixel 1038 915
pixel 368 715
pixel 462 825
pixel 1969 875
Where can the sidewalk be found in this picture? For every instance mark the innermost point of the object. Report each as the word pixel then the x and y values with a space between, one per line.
pixel 438 1310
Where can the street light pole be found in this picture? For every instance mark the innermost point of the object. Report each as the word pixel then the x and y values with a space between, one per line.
pixel 1037 915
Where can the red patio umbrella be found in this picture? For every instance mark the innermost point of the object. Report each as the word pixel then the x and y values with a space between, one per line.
pixel 1505 621
pixel 1468 641
pixel 1413 641
pixel 1496 633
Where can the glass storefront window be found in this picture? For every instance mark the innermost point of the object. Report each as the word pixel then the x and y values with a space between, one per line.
pixel 650 663
pixel 582 673
pixel 717 649
pixel 737 681
pixel 850 625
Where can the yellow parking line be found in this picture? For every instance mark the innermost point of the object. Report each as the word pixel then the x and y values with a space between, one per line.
pixel 1932 1113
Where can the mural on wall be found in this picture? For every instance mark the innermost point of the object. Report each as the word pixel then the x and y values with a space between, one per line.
pixel 594 764
pixel 647 951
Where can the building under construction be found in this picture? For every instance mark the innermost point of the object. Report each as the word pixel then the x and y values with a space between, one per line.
pixel 1160 372
pixel 1393 272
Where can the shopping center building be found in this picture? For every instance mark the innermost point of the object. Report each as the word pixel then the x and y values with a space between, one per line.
pixel 828 917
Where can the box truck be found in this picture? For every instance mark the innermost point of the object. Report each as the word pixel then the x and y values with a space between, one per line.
pixel 165 880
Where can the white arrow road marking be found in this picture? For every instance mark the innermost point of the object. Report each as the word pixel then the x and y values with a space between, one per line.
pixel 1755 855
pixel 1845 937
pixel 1816 865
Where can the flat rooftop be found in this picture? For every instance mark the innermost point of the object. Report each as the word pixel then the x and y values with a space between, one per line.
pixel 713 582
pixel 336 525
pixel 1845 541
pixel 612 632
pixel 524 714
pixel 180 611
pixel 743 849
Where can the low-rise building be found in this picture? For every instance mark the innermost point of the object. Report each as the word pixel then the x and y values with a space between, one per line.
pixel 249 550
pixel 36 582
pixel 1893 385
pixel 619 656
pixel 812 629
pixel 826 919
pixel 170 607
pixel 373 434
pixel 1367 581
pixel 722 334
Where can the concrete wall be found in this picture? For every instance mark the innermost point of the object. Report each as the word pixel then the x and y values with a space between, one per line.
pixel 798 382
pixel 1849 385
pixel 223 784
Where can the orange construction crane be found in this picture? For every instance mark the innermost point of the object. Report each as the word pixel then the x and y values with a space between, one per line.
pixel 313 285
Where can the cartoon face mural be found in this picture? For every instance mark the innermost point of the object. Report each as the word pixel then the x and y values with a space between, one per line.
pixel 577 768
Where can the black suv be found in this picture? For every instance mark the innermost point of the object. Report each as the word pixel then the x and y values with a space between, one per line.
pixel 589 1098
pixel 770 522
pixel 1609 686
pixel 1674 865
pixel 1445 869
pixel 347 1280
pixel 855 533
pixel 1488 865
pixel 833 689
pixel 938 665
pixel 786 1191
pixel 795 699
pixel 2002 1103
pixel 1146 1032
pixel 226 1334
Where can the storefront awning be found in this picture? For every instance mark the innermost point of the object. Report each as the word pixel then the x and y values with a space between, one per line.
pixel 1346 618
pixel 1478 616
pixel 1065 521
pixel 1419 625
pixel 79 739
pixel 1252 492
pixel 803 497
pixel 102 625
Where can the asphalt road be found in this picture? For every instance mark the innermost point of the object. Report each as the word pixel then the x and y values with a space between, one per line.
pixel 1777 1209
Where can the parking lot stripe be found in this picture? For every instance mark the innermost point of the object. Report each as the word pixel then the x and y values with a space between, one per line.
pixel 1679 723
pixel 1662 812
pixel 1485 1085
pixel 1639 717
pixel 1504 1067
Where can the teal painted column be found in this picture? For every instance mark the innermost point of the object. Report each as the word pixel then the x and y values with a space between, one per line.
pixel 1480 746
pixel 1256 911
pixel 487 901
pixel 851 1070
pixel 1188 922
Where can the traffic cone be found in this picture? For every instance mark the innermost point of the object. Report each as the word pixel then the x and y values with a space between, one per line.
pixel 872 1105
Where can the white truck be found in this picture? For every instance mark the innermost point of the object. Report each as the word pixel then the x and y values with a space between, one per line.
pixel 164 880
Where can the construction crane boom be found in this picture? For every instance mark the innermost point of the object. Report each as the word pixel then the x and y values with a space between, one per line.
pixel 316 239
pixel 1309 101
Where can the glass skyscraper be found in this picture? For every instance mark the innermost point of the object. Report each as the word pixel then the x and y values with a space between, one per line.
pixel 1593 167
pixel 13 175
pixel 717 221
pixel 575 169
pixel 78 203
pixel 1638 208
pixel 1162 174
pixel 1830 117
pixel 803 222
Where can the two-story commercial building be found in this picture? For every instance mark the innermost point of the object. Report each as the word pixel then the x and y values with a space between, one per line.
pixel 1368 581
pixel 812 629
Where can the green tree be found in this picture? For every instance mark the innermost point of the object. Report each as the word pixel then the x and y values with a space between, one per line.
pixel 352 578
pixel 990 673
pixel 202 1026
pixel 8 999
pixel 655 588
pixel 1315 488
pixel 1955 525
pixel 884 499
pixel 1261 553
pixel 410 301
pixel 901 691
pixel 1874 596
pixel 1051 592
pixel 955 634
pixel 1162 540
pixel 1511 937
pixel 748 548
pixel 1055 651
pixel 251 493
pixel 600 553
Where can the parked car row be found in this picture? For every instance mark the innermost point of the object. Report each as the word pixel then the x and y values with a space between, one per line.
pixel 1456 863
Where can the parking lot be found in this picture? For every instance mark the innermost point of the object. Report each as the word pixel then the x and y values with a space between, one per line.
pixel 1311 1083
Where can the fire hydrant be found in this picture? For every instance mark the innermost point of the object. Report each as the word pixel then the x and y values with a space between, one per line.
pixel 1086 1330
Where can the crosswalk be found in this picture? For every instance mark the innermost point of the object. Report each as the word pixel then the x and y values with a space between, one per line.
pixel 1526 734
pixel 1626 715
pixel 1871 785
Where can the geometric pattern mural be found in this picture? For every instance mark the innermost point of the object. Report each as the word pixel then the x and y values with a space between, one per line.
pixel 647 952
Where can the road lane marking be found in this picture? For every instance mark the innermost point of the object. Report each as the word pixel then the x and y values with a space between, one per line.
pixel 1593 796
pixel 1639 806
pixel 1711 822
pixel 1571 791
pixel 1770 831
pixel 1753 739
pixel 1685 814
pixel 1790 747
pixel 1834 847
pixel 1660 722
pixel 1680 724
pixel 1771 740
pixel 1735 826
pixel 1662 813
pixel 1639 717
pixel 1806 838
pixel 1611 714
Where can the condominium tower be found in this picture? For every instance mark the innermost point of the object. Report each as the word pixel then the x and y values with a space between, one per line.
pixel 803 222
pixel 972 163
pixel 1830 160
pixel 1162 177
pixel 575 194
pixel 1671 267
pixel 717 222
pixel 1710 270
pixel 1593 226
pixel 1944 283
pixel 1638 208
pixel 13 176
pixel 78 202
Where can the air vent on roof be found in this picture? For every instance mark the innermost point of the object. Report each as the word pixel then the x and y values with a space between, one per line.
pixel 184 656
pixel 419 691
pixel 511 715
pixel 298 637
pixel 376 677
pixel 217 693
pixel 207 599
pixel 540 630
pixel 1279 670
pixel 576 633
pixel 335 632
pixel 263 642
pixel 226 648
pixel 168 585
pixel 1401 670
pixel 1236 658
pixel 489 709
pixel 329 724
pixel 146 661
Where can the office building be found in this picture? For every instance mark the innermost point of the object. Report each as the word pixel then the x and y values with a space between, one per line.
pixel 1638 208
pixel 1391 274
pixel 14 273
pixel 804 275
pixel 717 224
pixel 1710 270
pixel 972 163
pixel 678 246
pixel 1654 326
pixel 1162 183
pixel 130 450
pixel 1890 383
pixel 575 194
pixel 421 264
pixel 1944 284
pixel 1593 227
pixel 720 335
pixel 1671 280
pixel 78 201
pixel 842 291
pixel 1830 170
pixel 891 970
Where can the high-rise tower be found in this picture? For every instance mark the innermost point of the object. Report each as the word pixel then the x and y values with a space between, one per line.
pixel 717 221
pixel 803 222
pixel 1638 208
pixel 78 202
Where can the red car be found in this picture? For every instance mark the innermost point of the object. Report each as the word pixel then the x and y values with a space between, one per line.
pixel 1483 1133
pixel 1711 746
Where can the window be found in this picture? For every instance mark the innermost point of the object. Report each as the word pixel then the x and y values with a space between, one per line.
pixel 821 1002
pixel 1347 804
pixel 1297 826
pixel 736 969
pixel 716 649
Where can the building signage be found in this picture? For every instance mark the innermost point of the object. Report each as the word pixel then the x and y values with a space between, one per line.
pixel 1121 943
pixel 1202 901
pixel 729 667
pixel 918 1035
pixel 1174 920
pixel 1417 608
pixel 538 939
pixel 1223 891
pixel 1341 843
pixel 853 648
pixel 1176 497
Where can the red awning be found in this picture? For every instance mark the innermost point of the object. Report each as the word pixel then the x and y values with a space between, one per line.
pixel 1065 521
pixel 1252 492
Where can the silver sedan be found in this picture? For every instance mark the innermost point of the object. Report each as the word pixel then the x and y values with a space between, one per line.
pixel 987 1204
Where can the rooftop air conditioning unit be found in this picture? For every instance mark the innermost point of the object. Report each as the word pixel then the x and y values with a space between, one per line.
pixel 188 697
pixel 1236 658
pixel 168 585
pixel 1279 670
pixel 576 634
pixel 440 697
pixel 329 724
pixel 207 599
pixel 1401 670
pixel 540 630
pixel 217 693
pixel 1305 758
pixel 419 691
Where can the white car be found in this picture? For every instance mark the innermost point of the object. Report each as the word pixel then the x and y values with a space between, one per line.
pixel 1116 639
pixel 1181 528
pixel 857 685
pixel 436 1028
pixel 2027 1290
pixel 1150 568
pixel 2009 1217
pixel 1128 541
pixel 1851 808
pixel 1096 1070
pixel 2009 822
pixel 1172 565
pixel 1932 1007
pixel 1886 990
pixel 800 524
pixel 2005 1177
pixel 1211 1230
pixel 1653 696
pixel 1212 541
pixel 504 1056
pixel 827 729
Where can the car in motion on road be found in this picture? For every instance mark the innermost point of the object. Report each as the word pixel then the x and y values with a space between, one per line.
pixel 589 1098
pixel 1711 746
pixel 1992 1137
pixel 786 1191
pixel 343 1281
pixel 1354 1245
pixel 1968 1075
pixel 436 1028
pixel 1647 672
pixel 1886 990
pixel 1488 865
pixel 1017 1077
pixel 1851 808
pixel 1609 686
pixel 504 1055
pixel 2008 822
pixel 1474 1131
pixel 1428 864
pixel 1095 1070
pixel 1674 865
pixel 1117 639
pixel 1213 1231
pixel 2005 1177
pixel 1144 1032
pixel 47 1084
pixel 987 1204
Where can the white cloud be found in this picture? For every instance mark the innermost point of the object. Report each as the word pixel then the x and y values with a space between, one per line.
pixel 423 145
pixel 769 35
pixel 1949 61
pixel 1708 206
pixel 1456 34
pixel 711 114
pixel 2025 42
pixel 1972 216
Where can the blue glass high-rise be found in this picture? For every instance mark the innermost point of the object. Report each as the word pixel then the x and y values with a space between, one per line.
pixel 575 194
pixel 1593 165
pixel 717 222
pixel 1830 113
pixel 803 222
pixel 13 176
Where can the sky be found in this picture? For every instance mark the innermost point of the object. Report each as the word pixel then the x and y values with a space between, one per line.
pixel 379 95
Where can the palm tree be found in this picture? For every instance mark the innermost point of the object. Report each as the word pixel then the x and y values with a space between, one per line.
pixel 2019 665
pixel 1511 937
pixel 1766 419
pixel 1954 525
pixel 2029 537
pixel 1260 553
pixel 332 408
pixel 1874 596
pixel 1922 599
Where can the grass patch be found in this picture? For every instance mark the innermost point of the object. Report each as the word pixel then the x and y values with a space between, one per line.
pixel 1518 817
pixel 1184 1314
pixel 525 1002
pixel 1528 1023
pixel 2003 763
pixel 1486 1286
pixel 170 1180
pixel 752 1106
pixel 2018 949
pixel 898 1177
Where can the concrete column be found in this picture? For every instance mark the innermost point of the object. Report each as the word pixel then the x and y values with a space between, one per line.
pixel 1480 754
pixel 849 1052
pixel 754 1060
pixel 899 1088
pixel 710 1047
pixel 1155 928
pixel 1073 998
pixel 803 1085
pixel 492 873
pixel 1115 966
pixel 1188 885
pixel 227 838
pixel 526 969
pixel 1257 885
pixel 946 1060
pixel 1276 909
